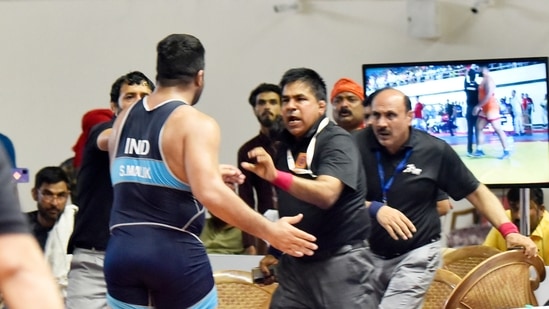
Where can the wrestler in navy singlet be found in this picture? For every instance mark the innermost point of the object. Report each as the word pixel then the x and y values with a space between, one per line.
pixel 154 249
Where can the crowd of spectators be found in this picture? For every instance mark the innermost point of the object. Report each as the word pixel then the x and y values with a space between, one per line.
pixel 404 75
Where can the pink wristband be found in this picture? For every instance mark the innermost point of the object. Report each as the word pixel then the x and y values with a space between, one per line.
pixel 283 180
pixel 507 228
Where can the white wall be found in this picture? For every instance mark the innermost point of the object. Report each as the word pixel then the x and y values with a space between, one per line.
pixel 59 58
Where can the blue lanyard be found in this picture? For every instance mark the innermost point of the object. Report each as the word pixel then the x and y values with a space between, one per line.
pixel 386 185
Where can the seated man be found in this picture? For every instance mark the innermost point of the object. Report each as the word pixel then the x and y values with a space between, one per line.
pixel 539 222
pixel 220 237
pixel 53 222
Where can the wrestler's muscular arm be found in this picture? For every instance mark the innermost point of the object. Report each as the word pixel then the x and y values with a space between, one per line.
pixel 191 145
pixel 103 139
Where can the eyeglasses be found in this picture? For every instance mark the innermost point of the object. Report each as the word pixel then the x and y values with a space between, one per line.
pixel 50 196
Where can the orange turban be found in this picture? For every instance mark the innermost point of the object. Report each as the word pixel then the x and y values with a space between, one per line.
pixel 347 85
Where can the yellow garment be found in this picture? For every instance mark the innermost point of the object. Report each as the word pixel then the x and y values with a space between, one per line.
pixel 540 237
pixel 226 240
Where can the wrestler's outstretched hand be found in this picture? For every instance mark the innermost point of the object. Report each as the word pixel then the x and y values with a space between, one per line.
pixel 291 240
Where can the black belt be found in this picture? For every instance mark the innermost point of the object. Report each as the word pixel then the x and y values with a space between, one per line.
pixel 392 255
pixel 326 254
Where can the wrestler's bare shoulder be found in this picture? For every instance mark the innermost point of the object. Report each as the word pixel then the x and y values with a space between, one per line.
pixel 189 116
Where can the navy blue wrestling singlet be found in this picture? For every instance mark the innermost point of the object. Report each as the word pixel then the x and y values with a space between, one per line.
pixel 154 253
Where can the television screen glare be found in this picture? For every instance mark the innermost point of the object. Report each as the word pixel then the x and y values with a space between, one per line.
pixel 440 88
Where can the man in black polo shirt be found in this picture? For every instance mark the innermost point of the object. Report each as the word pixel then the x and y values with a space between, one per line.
pixel 406 168
pixel 317 173
pixel 87 288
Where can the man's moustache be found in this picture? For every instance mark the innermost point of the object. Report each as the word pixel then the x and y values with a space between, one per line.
pixel 344 111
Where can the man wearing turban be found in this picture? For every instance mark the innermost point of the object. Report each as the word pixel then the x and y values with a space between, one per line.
pixel 347 99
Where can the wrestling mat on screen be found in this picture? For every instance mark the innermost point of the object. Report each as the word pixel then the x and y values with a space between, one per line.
pixel 440 92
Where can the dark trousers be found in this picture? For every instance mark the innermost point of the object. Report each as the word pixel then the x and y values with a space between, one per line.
pixel 471 128
pixel 342 281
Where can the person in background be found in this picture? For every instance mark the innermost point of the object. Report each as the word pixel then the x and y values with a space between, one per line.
pixel 516 108
pixel 165 174
pixel 53 221
pixel 443 202
pixel 256 192
pixel 68 167
pixel 367 103
pixel 451 112
pixel 544 114
pixel 72 165
pixel 539 222
pixel 87 288
pixel 220 237
pixel 347 109
pixel 406 169
pixel 419 119
pixel 471 92
pixel 25 277
pixel 528 106
pixel 9 148
pixel 317 172
pixel 90 119
pixel 487 110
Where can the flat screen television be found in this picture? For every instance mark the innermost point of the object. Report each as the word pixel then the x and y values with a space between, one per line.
pixel 440 87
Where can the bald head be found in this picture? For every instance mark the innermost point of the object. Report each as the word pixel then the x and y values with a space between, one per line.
pixel 393 92
pixel 391 118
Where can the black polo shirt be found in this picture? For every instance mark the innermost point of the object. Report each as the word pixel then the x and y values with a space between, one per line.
pixel 95 196
pixel 431 166
pixel 347 221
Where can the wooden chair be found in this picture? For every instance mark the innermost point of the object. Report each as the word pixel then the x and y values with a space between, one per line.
pixel 461 260
pixel 443 284
pixel 472 212
pixel 473 234
pixel 236 291
pixel 233 275
pixel 501 281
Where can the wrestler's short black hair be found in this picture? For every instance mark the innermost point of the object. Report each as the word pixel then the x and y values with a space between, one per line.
pixel 179 59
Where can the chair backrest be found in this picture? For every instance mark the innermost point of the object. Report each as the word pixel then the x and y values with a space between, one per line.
pixel 236 291
pixel 465 212
pixel 501 281
pixel 473 233
pixel 461 260
pixel 232 276
pixel 443 284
